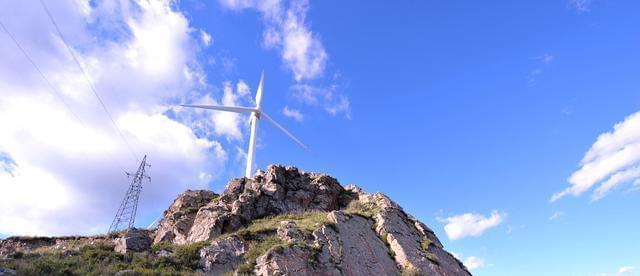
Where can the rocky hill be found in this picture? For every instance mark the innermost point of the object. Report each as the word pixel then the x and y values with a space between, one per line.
pixel 281 222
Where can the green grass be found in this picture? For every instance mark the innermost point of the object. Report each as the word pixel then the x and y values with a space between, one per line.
pixel 102 260
pixel 411 271
pixel 424 245
pixel 307 222
pixel 367 210
pixel 258 249
pixel 260 234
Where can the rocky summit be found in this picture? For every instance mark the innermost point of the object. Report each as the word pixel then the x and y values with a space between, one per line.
pixel 283 221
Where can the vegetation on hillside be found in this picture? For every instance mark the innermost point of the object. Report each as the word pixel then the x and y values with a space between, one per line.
pixel 100 259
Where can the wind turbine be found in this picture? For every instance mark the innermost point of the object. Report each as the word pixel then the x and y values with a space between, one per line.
pixel 256 114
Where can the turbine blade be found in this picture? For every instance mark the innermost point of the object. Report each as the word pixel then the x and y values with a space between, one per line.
pixel 259 92
pixel 283 130
pixel 236 109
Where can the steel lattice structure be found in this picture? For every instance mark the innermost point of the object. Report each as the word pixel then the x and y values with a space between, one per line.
pixel 126 215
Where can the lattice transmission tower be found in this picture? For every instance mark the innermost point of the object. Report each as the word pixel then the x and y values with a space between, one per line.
pixel 126 215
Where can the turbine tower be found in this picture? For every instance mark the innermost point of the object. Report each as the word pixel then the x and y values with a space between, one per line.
pixel 256 114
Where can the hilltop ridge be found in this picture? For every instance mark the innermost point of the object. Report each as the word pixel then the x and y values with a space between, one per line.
pixel 282 221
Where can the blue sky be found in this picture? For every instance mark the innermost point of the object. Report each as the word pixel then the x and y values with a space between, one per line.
pixel 471 115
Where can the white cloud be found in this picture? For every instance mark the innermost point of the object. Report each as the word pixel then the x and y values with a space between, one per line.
pixel 469 224
pixel 581 6
pixel 613 160
pixel 556 215
pixel 341 105
pixel 286 29
pixel 293 113
pixel 328 98
pixel 546 58
pixel 471 262
pixel 64 175
pixel 206 38
pixel 625 270
pixel 242 88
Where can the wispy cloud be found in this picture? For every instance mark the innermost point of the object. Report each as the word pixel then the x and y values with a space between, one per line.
pixel 293 113
pixel 471 262
pixel 625 270
pixel 556 215
pixel 546 58
pixel 581 6
pixel 543 60
pixel 205 38
pixel 287 29
pixel 329 98
pixel 471 225
pixel 613 160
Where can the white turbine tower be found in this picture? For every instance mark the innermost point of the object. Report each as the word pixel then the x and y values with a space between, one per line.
pixel 256 115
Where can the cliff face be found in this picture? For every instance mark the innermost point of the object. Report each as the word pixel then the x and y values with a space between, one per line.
pixel 287 222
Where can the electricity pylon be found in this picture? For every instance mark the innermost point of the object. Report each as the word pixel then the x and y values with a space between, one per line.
pixel 126 215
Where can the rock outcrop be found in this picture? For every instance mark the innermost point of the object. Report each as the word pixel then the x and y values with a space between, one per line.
pixel 333 230
pixel 276 191
pixel 223 255
pixel 133 240
pixel 178 219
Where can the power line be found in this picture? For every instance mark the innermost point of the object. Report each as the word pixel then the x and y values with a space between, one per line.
pixel 54 90
pixel 86 77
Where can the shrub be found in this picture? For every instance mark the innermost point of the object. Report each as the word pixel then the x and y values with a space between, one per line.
pixel 100 259
pixel 188 255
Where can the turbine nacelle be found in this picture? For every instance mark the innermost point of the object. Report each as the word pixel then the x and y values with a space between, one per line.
pixel 256 114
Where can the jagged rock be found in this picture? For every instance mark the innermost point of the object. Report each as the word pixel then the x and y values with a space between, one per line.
pixel 348 247
pixel 289 232
pixel 413 244
pixel 276 191
pixel 292 260
pixel 133 240
pixel 222 256
pixel 360 250
pixel 7 272
pixel 178 219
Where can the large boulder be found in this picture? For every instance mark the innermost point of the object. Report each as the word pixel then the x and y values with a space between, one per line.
pixel 276 191
pixel 178 219
pixel 133 240
pixel 222 256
